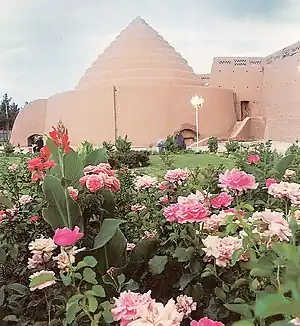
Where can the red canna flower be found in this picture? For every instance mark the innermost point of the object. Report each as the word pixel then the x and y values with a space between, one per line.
pixel 54 135
pixel 45 153
pixel 66 142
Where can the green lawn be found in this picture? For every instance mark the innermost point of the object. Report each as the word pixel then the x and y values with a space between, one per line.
pixel 190 161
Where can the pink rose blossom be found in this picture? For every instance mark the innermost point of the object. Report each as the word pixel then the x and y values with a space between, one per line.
pixel 270 181
pixel 144 182
pixel 289 173
pixel 37 260
pixel 237 180
pixel 73 192
pixel 130 246
pixel 33 219
pixel 158 315
pixel 177 175
pixel 83 180
pixel 221 249
pixel 100 168
pixel 95 182
pixel 185 305
pixel 222 200
pixel 12 168
pixel 149 235
pixel 164 199
pixel 66 237
pixel 215 221
pixel 276 224
pixel 253 159
pixel 128 304
pixel 25 199
pixel 206 322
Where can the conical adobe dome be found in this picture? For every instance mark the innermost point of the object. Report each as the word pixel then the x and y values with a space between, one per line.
pixel 138 56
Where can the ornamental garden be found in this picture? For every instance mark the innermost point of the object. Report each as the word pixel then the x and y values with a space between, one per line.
pixel 112 236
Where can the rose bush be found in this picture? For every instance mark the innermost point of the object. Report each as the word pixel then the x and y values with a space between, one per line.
pixel 83 244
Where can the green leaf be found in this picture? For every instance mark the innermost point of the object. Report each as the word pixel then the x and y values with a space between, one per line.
pixel 108 229
pixel 121 279
pixel 243 323
pixel 99 291
pixel 41 279
pixel 5 201
pixel 157 264
pixel 20 288
pixel 220 294
pixel 89 276
pixel 274 304
pixel 236 255
pixel 93 303
pixel 284 164
pixel 66 279
pixel 2 256
pixel 90 261
pixel 185 280
pixel 242 309
pixel 132 286
pixel 73 168
pixel 108 317
pixel 62 211
pixel 144 249
pixel 238 283
pixel 261 272
pixel 183 254
pixel 71 312
pixel 96 157
pixel 281 323
pixel 2 295
pixel 75 297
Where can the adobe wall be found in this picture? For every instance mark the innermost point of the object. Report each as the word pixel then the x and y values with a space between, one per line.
pixel 281 94
pixel 145 114
pixel 29 121
pixel 87 114
pixel 242 75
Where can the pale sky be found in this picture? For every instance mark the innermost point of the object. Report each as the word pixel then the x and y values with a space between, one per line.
pixel 46 45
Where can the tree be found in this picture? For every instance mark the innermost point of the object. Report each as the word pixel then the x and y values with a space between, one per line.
pixel 8 112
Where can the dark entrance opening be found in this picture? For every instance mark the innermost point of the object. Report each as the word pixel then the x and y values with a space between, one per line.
pixel 31 140
pixel 245 110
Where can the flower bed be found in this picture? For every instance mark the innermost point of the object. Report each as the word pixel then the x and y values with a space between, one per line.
pixel 82 244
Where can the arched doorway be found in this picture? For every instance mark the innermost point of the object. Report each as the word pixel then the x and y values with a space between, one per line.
pixel 31 139
pixel 189 136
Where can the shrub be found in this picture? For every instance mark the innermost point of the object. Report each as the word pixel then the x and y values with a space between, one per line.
pixel 123 145
pixel 171 145
pixel 131 159
pixel 213 144
pixel 9 149
pixel 232 146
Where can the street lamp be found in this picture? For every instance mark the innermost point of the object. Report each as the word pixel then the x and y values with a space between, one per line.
pixel 197 102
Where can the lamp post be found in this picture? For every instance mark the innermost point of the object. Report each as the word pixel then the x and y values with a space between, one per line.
pixel 197 102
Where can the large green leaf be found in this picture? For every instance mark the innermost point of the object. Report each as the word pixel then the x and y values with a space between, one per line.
pixel 108 229
pixel 275 304
pixel 73 168
pixel 144 249
pixel 5 201
pixel 96 157
pixel 62 210
pixel 284 164
pixel 242 309
pixel 157 264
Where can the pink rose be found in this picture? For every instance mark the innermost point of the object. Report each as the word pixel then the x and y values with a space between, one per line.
pixel 33 219
pixel 95 182
pixel 170 212
pixel 130 246
pixel 177 175
pixel 270 181
pixel 222 200
pixel 253 159
pixel 164 200
pixel 83 180
pixel 237 180
pixel 206 322
pixel 73 193
pixel 66 237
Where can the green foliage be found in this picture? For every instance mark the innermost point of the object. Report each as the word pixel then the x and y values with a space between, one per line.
pixel 130 159
pixel 8 149
pixel 123 145
pixel 170 145
pixel 212 144
pixel 232 146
